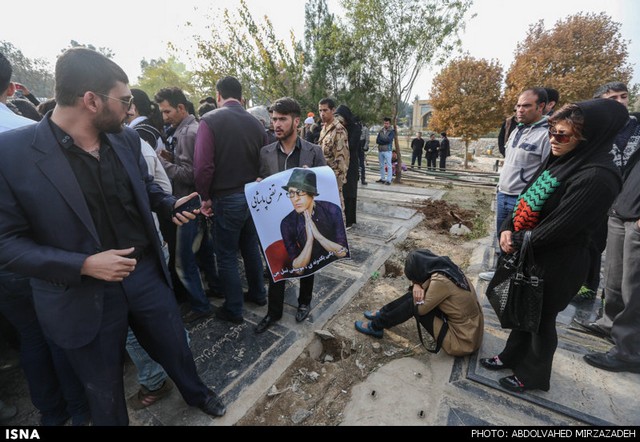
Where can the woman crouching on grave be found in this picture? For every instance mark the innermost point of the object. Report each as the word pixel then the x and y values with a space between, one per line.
pixel 441 299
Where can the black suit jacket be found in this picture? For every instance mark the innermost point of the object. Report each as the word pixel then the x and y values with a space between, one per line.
pixel 46 230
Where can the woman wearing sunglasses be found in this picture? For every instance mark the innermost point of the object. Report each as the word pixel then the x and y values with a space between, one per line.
pixel 563 205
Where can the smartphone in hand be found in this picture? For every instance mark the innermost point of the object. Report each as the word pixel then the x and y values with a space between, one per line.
pixel 193 204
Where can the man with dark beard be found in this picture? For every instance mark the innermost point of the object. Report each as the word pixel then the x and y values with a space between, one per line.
pixel 288 152
pixel 75 217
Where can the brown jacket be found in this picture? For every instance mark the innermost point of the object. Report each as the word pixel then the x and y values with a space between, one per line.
pixel 464 313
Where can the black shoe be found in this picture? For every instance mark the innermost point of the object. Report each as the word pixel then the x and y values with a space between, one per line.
pixel 266 322
pixel 610 363
pixel 303 312
pixel 213 405
pixel 380 181
pixel 192 316
pixel 387 183
pixel 223 314
pixel 258 302
pixel 492 364
pixel 512 383
pixel 591 328
pixel 364 183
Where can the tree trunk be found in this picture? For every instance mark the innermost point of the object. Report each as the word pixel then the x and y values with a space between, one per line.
pixel 466 154
pixel 399 156
pixel 396 142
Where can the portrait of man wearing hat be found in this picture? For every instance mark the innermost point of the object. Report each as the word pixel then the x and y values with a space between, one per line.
pixel 313 233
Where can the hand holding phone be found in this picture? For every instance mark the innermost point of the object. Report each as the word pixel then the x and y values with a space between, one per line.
pixel 189 206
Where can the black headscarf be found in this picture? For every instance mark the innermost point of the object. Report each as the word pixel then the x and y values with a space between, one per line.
pixel 603 119
pixel 422 263
pixel 346 114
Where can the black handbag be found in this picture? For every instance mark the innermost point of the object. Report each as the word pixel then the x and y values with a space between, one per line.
pixel 515 292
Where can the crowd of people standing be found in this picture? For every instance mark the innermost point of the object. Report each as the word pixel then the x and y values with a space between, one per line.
pixel 94 229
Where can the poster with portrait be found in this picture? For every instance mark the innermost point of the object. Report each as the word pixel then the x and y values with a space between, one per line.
pixel 298 217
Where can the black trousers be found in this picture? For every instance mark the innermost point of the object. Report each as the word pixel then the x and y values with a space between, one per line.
pixel 400 310
pixel 146 303
pixel 276 295
pixel 530 355
pixel 361 165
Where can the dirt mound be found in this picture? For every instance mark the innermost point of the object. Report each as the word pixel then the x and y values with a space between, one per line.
pixel 440 215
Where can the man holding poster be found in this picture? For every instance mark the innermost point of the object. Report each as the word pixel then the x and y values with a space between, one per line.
pixel 289 152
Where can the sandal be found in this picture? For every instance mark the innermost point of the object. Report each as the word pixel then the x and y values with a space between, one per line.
pixel 145 398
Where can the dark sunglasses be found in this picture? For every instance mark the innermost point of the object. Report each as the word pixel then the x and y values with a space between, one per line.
pixel 294 193
pixel 560 138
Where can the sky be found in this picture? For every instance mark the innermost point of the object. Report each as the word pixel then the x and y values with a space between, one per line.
pixel 137 29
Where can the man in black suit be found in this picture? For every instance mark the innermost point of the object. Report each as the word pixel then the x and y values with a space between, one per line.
pixel 75 217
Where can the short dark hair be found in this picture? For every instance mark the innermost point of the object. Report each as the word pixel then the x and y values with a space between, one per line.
pixel 229 87
pixel 209 100
pixel 46 106
pixel 79 70
pixel 173 95
pixel 330 102
pixel 615 86
pixel 444 134
pixel 539 92
pixel 142 102
pixel 206 107
pixel 147 108
pixel 286 106
pixel 5 73
pixel 387 119
pixel 552 94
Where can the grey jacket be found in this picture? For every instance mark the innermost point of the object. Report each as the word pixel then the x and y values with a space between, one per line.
pixel 528 147
pixel 310 155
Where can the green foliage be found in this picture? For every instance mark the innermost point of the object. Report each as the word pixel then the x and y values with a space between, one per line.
pixel 35 73
pixel 160 73
pixel 267 67
pixel 399 38
pixel 322 37
pixel 402 37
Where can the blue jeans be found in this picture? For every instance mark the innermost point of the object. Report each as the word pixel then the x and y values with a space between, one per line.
pixel 235 231
pixel 151 375
pixel 54 388
pixel 504 208
pixel 385 158
pixel 189 239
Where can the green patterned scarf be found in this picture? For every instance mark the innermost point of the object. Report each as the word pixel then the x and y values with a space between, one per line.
pixel 526 213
